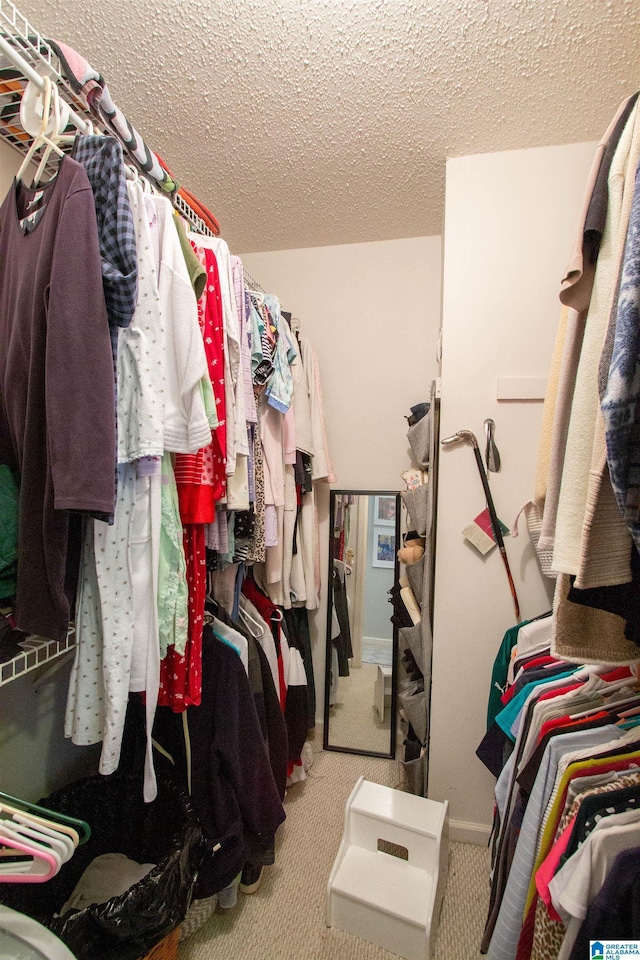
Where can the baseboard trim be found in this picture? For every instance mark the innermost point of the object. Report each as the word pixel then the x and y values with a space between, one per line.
pixel 464 831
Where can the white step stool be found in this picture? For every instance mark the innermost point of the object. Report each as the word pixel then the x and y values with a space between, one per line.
pixel 386 900
pixel 381 689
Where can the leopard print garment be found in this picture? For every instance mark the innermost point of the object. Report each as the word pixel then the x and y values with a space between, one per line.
pixel 257 552
pixel 549 934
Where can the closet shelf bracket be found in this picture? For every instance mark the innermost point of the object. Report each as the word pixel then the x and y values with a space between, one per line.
pixel 36 652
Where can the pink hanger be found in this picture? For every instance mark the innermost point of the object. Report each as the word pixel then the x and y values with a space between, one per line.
pixel 43 865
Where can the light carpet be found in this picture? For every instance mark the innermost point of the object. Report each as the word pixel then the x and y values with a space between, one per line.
pixel 354 721
pixel 285 919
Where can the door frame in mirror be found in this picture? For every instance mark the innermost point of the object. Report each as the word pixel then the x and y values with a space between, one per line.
pixel 390 754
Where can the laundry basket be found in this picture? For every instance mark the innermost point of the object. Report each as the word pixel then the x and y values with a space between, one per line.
pixel 166 833
pixel 167 949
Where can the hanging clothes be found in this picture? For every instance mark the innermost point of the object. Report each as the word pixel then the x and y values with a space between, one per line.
pixel 291 675
pixel 201 477
pixel 236 440
pixel 179 352
pixel 219 747
pixel 181 674
pixel 160 408
pixel 141 356
pixel 571 755
pixel 103 160
pixel 584 506
pixel 186 427
pixel 585 401
pixel 57 424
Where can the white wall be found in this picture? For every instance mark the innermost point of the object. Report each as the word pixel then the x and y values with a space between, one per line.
pixel 35 759
pixel 509 222
pixel 372 313
pixel 9 163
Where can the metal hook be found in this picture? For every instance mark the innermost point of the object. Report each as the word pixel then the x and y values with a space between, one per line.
pixel 491 453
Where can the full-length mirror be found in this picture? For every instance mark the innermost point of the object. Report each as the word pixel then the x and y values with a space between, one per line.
pixel 360 677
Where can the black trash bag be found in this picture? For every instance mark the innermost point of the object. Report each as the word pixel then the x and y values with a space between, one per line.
pixel 165 832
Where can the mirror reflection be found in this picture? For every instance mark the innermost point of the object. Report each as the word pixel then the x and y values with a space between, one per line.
pixel 361 642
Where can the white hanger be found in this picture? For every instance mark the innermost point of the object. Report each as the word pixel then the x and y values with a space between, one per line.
pixel 133 174
pixel 42 139
pixel 250 621
pixel 342 564
pixel 31 108
pixel 146 186
pixel 67 835
pixel 57 137
pixel 22 816
pixel 44 834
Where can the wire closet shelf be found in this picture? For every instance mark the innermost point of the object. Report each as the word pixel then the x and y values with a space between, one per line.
pixel 26 56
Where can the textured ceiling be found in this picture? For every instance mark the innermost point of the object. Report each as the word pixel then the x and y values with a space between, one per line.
pixel 311 122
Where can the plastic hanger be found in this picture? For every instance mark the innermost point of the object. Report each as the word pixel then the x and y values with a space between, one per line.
pixel 21 816
pixel 46 832
pixel 133 174
pixel 249 621
pixel 81 826
pixel 41 139
pixel 31 108
pixel 41 835
pixel 256 296
pixel 56 138
pixel 43 865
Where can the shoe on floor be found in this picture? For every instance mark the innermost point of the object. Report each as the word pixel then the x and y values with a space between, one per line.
pixel 251 878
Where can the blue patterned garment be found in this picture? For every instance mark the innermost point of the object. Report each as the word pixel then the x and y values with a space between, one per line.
pixel 280 386
pixel 621 401
pixel 102 158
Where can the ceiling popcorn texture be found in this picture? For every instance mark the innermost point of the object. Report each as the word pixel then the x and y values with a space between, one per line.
pixel 311 122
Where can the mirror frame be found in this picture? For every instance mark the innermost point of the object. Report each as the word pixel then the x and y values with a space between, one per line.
pixel 390 755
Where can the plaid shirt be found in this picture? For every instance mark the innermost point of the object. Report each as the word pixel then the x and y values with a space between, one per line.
pixel 102 159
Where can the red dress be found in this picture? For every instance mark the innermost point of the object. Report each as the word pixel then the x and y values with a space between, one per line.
pixel 201 482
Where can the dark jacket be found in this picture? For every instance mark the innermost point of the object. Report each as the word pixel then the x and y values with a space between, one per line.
pixel 232 786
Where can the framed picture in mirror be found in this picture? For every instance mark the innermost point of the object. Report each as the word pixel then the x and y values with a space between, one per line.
pixel 384 548
pixel 385 510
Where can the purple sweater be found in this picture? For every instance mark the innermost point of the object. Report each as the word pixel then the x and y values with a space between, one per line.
pixel 57 418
